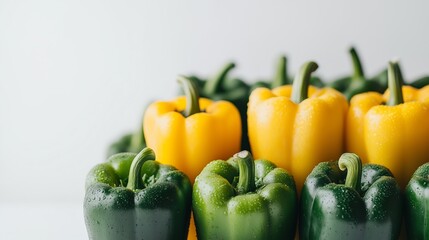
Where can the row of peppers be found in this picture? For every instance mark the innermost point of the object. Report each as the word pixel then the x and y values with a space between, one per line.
pixel 132 196
pixel 288 125
pixel 222 86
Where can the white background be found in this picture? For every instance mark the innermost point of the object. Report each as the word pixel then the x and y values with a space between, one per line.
pixel 75 75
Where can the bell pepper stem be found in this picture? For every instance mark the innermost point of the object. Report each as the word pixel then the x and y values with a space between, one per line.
pixel 352 163
pixel 134 178
pixel 246 168
pixel 192 96
pixel 301 82
pixel 358 73
pixel 280 78
pixel 212 86
pixel 394 80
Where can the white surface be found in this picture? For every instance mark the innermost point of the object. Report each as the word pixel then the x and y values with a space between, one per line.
pixel 74 75
pixel 42 221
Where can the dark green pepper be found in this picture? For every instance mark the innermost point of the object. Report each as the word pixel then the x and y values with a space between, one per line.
pixel 132 197
pixel 357 83
pixel 417 204
pixel 362 203
pixel 244 199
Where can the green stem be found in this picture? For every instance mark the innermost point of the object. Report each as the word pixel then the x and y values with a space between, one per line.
pixel 394 80
pixel 280 78
pixel 134 178
pixel 357 66
pixel 353 164
pixel 246 168
pixel 301 82
pixel 192 96
pixel 213 85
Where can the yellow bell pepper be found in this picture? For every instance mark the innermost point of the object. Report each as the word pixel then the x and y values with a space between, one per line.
pixel 297 126
pixel 391 129
pixel 189 131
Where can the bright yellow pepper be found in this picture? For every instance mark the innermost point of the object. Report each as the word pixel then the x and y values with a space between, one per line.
pixel 297 126
pixel 391 129
pixel 189 131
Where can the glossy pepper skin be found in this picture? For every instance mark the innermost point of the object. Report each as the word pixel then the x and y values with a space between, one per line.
pixel 417 204
pixel 290 129
pixel 244 199
pixel 131 197
pixel 390 129
pixel 362 203
pixel 357 83
pixel 189 131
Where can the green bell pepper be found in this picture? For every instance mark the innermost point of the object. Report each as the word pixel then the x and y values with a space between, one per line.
pixel 132 197
pixel 357 83
pixel 244 199
pixel 417 204
pixel 362 203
